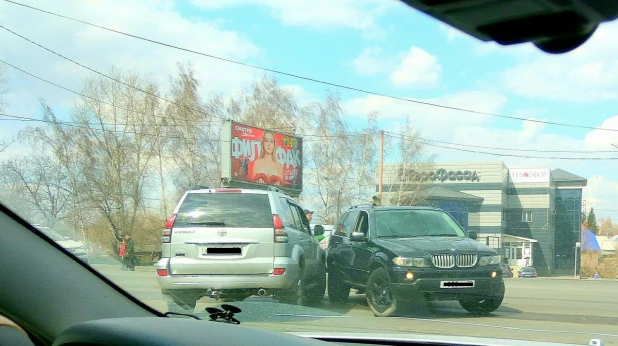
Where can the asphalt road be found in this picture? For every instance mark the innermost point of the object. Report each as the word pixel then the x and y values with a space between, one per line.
pixel 544 309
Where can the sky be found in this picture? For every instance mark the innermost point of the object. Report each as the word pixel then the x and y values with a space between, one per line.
pixel 377 45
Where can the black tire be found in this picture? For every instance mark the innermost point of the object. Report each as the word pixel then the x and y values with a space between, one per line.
pixel 296 294
pixel 483 305
pixel 379 297
pixel 338 291
pixel 316 293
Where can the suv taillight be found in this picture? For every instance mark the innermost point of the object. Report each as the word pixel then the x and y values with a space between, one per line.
pixel 167 232
pixel 281 236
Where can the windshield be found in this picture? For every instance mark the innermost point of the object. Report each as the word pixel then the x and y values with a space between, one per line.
pixel 430 157
pixel 225 210
pixel 416 223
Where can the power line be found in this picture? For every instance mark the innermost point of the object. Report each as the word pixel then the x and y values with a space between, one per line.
pixel 524 150
pixel 293 75
pixel 318 138
pixel 111 78
pixel 505 155
pixel 95 99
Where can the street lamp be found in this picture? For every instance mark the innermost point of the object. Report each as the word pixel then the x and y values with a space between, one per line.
pixel 577 245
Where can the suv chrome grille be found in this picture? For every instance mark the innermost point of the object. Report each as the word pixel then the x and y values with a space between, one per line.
pixel 466 261
pixel 450 261
pixel 443 261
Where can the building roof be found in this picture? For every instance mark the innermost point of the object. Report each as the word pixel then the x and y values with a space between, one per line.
pixel 439 192
pixel 560 175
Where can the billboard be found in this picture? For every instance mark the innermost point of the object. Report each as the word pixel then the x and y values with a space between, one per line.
pixel 529 175
pixel 259 156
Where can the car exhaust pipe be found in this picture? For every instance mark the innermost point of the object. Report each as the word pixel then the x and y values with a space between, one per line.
pixel 261 292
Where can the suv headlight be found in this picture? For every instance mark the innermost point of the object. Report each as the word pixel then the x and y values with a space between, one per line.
pixel 411 262
pixel 489 260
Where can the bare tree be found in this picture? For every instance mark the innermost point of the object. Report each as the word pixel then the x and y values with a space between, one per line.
pixel 406 183
pixel 266 105
pixel 194 133
pixel 331 160
pixel 41 181
pixel 108 149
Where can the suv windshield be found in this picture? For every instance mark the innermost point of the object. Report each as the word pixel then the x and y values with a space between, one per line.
pixel 240 210
pixel 416 223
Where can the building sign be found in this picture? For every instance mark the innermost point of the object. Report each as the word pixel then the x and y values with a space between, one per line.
pixel 261 156
pixel 527 175
pixel 440 174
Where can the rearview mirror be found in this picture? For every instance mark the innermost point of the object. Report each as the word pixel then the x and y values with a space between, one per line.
pixel 318 230
pixel 472 235
pixel 357 236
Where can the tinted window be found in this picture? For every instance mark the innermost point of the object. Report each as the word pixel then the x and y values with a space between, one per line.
pixel 416 223
pixel 225 210
pixel 338 228
pixel 303 219
pixel 298 225
pixel 350 222
pixel 287 216
pixel 363 224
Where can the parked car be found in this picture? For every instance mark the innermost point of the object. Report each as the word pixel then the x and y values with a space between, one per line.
pixel 234 243
pixel 398 254
pixel 507 271
pixel 75 247
pixel 527 272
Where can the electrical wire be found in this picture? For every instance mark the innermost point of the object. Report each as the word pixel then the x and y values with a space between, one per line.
pixel 502 154
pixel 297 76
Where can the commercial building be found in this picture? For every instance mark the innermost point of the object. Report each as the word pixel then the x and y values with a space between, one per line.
pixel 531 216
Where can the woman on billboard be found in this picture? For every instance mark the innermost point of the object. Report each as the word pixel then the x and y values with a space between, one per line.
pixel 266 169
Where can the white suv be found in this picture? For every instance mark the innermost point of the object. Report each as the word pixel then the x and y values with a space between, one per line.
pixel 234 243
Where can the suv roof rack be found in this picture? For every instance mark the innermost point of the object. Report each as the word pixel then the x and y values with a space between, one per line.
pixel 199 187
pixel 366 205
pixel 275 189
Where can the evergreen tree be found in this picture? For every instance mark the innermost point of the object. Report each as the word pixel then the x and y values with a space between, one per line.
pixel 591 221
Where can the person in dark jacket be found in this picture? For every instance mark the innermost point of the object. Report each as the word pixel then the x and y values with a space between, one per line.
pixel 129 256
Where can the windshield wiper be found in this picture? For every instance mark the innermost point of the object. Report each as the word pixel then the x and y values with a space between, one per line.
pixel 208 223
pixel 443 235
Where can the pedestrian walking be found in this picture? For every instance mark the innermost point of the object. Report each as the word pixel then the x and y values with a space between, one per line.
pixel 130 252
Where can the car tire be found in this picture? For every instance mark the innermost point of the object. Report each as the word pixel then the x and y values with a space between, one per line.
pixel 483 305
pixel 379 297
pixel 296 294
pixel 338 291
pixel 316 293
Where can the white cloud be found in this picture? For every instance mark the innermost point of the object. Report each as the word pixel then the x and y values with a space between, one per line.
pixel 318 14
pixel 417 69
pixel 601 194
pixel 100 49
pixel 431 120
pixel 587 74
pixel 603 140
pixel 369 62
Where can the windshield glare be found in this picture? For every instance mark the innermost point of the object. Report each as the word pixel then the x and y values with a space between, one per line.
pixel 395 132
pixel 416 223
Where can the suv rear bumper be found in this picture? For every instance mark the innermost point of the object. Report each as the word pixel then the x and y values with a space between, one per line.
pixel 207 282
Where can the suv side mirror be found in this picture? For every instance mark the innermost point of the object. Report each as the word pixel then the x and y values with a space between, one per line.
pixel 472 235
pixel 358 236
pixel 318 230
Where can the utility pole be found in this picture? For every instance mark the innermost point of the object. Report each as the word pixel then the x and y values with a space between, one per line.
pixel 381 169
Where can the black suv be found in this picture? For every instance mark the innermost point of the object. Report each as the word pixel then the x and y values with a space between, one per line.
pixel 398 254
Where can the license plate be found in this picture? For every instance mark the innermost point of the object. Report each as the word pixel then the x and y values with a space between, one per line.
pixel 457 284
pixel 222 251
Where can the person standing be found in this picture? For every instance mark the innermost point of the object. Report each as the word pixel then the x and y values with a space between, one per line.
pixel 308 214
pixel 129 252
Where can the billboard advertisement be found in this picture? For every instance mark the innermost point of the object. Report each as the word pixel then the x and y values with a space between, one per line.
pixel 529 175
pixel 262 156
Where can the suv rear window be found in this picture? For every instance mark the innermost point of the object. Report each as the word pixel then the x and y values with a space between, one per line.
pixel 240 210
